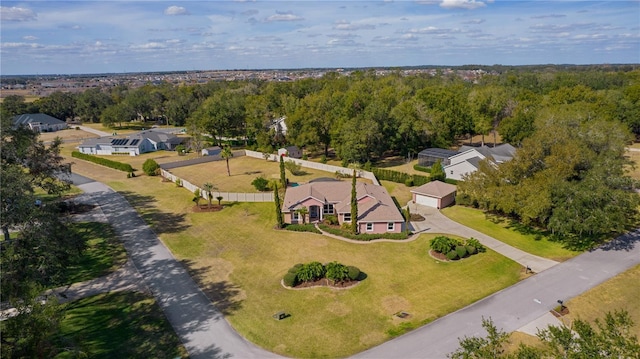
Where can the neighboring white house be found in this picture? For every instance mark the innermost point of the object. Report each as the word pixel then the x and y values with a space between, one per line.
pixel 211 151
pixel 39 122
pixel 468 159
pixel 132 145
pixel 290 151
pixel 435 194
pixel 279 125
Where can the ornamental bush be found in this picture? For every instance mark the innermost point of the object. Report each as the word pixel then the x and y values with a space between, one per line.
pixel 311 271
pixel 443 244
pixel 290 279
pixel 462 251
pixel 150 167
pixel 471 250
pixel 295 268
pixel 336 272
pixel 261 184
pixel 475 243
pixel 354 272
pixel 452 255
pixel 331 219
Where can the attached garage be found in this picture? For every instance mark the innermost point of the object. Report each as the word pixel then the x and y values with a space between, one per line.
pixel 435 194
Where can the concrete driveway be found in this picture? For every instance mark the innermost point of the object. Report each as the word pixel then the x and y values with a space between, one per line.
pixel 436 222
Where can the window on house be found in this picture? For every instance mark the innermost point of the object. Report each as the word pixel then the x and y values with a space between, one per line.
pixel 391 226
pixel 347 217
pixel 328 209
pixel 369 227
pixel 295 216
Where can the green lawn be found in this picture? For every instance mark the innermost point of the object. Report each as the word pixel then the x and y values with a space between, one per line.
pixel 239 259
pixel 120 325
pixel 500 229
pixel 103 255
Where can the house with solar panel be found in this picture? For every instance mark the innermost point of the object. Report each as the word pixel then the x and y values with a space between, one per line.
pixel 132 145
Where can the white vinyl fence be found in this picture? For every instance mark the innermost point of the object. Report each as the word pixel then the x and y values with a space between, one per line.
pixel 316 165
pixel 226 196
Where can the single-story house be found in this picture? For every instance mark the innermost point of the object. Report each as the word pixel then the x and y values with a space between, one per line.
pixel 435 194
pixel 468 159
pixel 132 145
pixel 279 125
pixel 211 151
pixel 39 122
pixel 377 213
pixel 429 156
pixel 290 151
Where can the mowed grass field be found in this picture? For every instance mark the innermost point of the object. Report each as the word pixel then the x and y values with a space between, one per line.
pixel 243 170
pixel 500 229
pixel 238 259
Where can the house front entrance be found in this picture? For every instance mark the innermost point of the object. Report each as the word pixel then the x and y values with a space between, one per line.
pixel 314 213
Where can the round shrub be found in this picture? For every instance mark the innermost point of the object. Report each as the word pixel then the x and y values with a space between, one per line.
pixel 150 167
pixel 354 272
pixel 290 279
pixel 471 250
pixel 409 182
pixel 261 183
pixel 295 268
pixel 462 251
pixel 453 255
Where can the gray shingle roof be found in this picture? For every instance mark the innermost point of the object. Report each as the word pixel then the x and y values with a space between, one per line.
pixel 36 117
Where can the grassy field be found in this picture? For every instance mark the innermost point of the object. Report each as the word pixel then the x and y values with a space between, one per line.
pixel 239 259
pixel 103 255
pixel 244 170
pixel 399 191
pixel 68 135
pixel 500 229
pixel 102 327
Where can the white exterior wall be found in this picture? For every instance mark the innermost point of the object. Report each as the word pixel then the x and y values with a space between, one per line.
pixel 461 157
pixel 456 171
pixel 427 201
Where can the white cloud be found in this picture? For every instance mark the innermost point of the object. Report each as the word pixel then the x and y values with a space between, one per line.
pixel 29 38
pixel 149 46
pixel 175 10
pixel 281 16
pixel 473 22
pixel 462 4
pixel 16 14
pixel 347 26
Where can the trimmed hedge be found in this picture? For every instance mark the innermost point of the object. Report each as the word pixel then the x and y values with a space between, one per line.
pixel 452 255
pixel 309 227
pixel 362 236
pixel 399 177
pixel 315 270
pixel 125 167
pixel 422 168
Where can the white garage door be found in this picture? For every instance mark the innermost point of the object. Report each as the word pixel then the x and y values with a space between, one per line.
pixel 427 201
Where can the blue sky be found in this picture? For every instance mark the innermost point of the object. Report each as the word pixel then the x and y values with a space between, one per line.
pixel 70 37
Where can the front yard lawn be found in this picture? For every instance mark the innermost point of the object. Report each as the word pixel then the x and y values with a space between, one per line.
pixel 120 325
pixel 500 229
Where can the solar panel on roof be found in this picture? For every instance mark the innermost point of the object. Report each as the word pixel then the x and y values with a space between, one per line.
pixel 135 142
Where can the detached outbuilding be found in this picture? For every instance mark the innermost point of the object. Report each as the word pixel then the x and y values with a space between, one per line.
pixel 290 151
pixel 211 151
pixel 435 194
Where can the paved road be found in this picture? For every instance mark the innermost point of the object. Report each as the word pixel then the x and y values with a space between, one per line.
pixel 202 329
pixel 518 305
pixel 436 222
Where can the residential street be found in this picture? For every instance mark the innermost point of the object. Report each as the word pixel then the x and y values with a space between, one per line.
pixel 206 334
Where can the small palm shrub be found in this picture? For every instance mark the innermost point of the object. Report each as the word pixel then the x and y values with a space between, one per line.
pixel 471 250
pixel 475 243
pixel 331 219
pixel 443 244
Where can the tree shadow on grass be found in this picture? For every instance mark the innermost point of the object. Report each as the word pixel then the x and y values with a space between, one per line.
pixel 223 295
pixel 161 221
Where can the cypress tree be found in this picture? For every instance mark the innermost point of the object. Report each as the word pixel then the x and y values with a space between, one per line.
pixel 276 198
pixel 354 205
pixel 283 178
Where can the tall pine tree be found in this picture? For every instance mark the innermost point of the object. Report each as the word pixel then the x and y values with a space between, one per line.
pixel 276 198
pixel 283 177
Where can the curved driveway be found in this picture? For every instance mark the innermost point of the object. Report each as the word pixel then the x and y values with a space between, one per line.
pixel 436 222
pixel 203 330
pixel 206 334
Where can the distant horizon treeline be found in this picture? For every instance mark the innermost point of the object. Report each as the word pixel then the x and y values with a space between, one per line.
pixel 364 116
